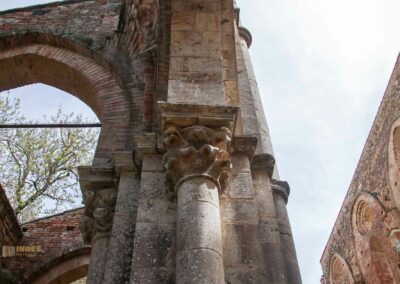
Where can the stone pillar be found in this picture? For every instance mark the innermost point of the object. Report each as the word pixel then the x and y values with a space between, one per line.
pixel 281 192
pixel 99 197
pixel 199 239
pixel 196 162
pixel 252 113
pixel 119 255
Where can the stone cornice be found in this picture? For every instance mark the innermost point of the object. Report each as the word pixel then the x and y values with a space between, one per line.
pixel 185 115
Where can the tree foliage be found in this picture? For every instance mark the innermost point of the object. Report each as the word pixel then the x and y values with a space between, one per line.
pixel 38 167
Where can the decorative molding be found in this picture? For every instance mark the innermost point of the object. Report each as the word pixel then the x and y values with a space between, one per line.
pixel 196 151
pixel 185 115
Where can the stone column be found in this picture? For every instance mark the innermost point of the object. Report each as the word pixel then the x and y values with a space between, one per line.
pixel 196 162
pixel 262 168
pixel 281 192
pixel 99 197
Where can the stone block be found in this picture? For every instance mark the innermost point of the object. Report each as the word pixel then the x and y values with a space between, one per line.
pixel 240 163
pixel 152 163
pixel 238 211
pixel 241 186
pixel 158 211
pixel 154 246
pixel 152 185
pixel 241 245
pixel 245 275
pixel 183 21
pixel 207 21
pixel 269 231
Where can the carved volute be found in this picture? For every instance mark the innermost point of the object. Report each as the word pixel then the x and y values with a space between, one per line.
pixel 99 211
pixel 196 151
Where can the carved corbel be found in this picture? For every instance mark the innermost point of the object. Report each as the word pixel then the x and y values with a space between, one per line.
pixel 99 191
pixel 99 212
pixel 196 151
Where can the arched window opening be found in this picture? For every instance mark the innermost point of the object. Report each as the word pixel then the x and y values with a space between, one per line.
pixel 38 166
pixel 394 162
pixel 339 271
pixel 363 217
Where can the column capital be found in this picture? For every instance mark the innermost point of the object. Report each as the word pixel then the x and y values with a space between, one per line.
pixel 246 35
pixel 197 141
pixel 99 193
pixel 282 188
pixel 246 144
pixel 196 151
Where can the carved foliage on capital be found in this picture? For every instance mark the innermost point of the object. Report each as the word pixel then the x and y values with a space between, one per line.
pixel 99 212
pixel 196 151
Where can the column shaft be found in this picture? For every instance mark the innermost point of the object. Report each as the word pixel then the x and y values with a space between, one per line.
pixel 288 248
pixel 199 238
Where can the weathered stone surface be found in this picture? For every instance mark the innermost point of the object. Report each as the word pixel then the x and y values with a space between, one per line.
pixel 241 186
pixel 155 246
pixel 200 266
pixel 197 208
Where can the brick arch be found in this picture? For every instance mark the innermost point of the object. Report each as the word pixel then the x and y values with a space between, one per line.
pixel 376 256
pixel 63 270
pixel 79 76
pixel 394 162
pixel 339 271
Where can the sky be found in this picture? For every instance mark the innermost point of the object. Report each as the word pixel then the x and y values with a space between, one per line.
pixel 322 68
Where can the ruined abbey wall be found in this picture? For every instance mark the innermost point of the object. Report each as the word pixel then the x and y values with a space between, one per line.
pixel 184 186
pixel 364 244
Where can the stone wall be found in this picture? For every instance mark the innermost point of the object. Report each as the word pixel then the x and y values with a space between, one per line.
pixel 365 235
pixel 57 236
